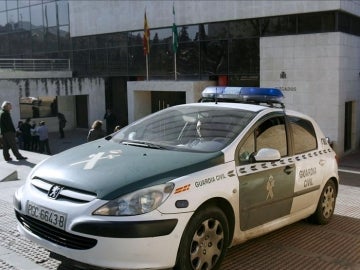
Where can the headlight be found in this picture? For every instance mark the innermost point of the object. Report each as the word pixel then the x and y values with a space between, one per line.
pixel 138 202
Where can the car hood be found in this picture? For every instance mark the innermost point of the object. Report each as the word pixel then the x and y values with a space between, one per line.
pixel 111 169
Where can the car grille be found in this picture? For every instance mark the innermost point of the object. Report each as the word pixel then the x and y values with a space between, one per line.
pixel 66 193
pixel 55 235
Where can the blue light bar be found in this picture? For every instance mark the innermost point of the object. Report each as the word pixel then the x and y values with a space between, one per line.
pixel 243 94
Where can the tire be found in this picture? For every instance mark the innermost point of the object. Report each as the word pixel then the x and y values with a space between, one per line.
pixel 205 241
pixel 326 205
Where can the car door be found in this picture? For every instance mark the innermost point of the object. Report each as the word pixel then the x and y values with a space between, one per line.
pixel 267 187
pixel 309 161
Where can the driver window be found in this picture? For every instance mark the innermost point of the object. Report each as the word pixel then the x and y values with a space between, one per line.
pixel 269 134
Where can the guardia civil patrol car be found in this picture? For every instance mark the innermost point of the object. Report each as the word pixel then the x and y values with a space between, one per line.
pixel 179 187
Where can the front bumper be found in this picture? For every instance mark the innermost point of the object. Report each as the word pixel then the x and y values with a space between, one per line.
pixel 137 242
pixel 108 252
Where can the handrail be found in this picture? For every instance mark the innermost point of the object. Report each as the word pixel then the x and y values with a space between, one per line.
pixel 35 64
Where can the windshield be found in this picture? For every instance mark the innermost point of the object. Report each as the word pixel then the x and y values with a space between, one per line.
pixel 189 128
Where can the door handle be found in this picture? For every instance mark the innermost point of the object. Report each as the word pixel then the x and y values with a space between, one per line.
pixel 288 169
pixel 322 162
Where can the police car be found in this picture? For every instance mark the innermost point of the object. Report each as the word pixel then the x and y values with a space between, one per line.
pixel 179 187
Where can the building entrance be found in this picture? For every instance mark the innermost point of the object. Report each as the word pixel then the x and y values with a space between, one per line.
pixel 164 99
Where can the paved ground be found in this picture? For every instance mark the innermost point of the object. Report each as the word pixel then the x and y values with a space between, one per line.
pixel 298 246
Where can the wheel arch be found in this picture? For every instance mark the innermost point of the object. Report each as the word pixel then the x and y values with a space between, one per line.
pixel 336 183
pixel 226 207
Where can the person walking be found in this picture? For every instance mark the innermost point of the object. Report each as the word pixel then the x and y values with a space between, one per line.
pixel 43 138
pixel 8 133
pixel 96 131
pixel 62 123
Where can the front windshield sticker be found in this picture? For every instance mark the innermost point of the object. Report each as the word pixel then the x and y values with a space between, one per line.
pixel 94 158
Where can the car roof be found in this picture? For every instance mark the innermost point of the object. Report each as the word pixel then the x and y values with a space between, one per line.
pixel 241 106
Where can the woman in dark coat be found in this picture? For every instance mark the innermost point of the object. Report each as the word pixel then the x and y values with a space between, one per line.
pixel 96 131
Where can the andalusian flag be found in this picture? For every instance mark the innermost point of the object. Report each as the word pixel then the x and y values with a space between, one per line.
pixel 146 40
pixel 175 34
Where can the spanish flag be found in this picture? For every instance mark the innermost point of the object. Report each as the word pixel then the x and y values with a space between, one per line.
pixel 146 36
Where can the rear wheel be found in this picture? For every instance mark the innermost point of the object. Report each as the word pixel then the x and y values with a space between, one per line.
pixel 205 241
pixel 326 205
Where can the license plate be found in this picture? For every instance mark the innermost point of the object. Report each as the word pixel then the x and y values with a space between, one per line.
pixel 49 216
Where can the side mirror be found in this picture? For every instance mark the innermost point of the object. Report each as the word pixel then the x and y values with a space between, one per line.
pixel 267 154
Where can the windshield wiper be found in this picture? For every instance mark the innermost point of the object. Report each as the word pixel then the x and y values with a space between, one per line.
pixel 143 144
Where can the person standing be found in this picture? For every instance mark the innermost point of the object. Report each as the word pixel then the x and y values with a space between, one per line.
pixel 8 133
pixel 34 137
pixel 26 133
pixel 62 123
pixel 19 135
pixel 96 131
pixel 110 121
pixel 43 138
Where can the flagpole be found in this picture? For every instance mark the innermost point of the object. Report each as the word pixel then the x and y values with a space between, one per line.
pixel 175 41
pixel 146 45
pixel 147 68
pixel 175 66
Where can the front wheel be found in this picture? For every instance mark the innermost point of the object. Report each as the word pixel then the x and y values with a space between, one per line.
pixel 205 241
pixel 326 205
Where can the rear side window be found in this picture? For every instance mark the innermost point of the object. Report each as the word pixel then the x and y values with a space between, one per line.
pixel 303 134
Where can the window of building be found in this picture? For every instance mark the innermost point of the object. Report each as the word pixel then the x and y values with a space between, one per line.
pixel 161 60
pixel 160 36
pixel 37 36
pixel 63 12
pixel 2 5
pixel 4 44
pixel 11 4
pixel 214 57
pixel 188 58
pixel 23 3
pixel 316 22
pixel 244 56
pixel 36 17
pixel 13 20
pixel 117 61
pixel 281 25
pixel 214 31
pixel 20 43
pixel 80 62
pixel 191 31
pixel 3 22
pixel 244 28
pixel 51 39
pixel 50 17
pixel 98 61
pixel 349 23
pixel 80 43
pixel 24 18
pixel 117 40
pixel 136 38
pixel 136 61
pixel 64 38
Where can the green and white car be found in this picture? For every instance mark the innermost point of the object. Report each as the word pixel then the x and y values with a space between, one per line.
pixel 179 187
